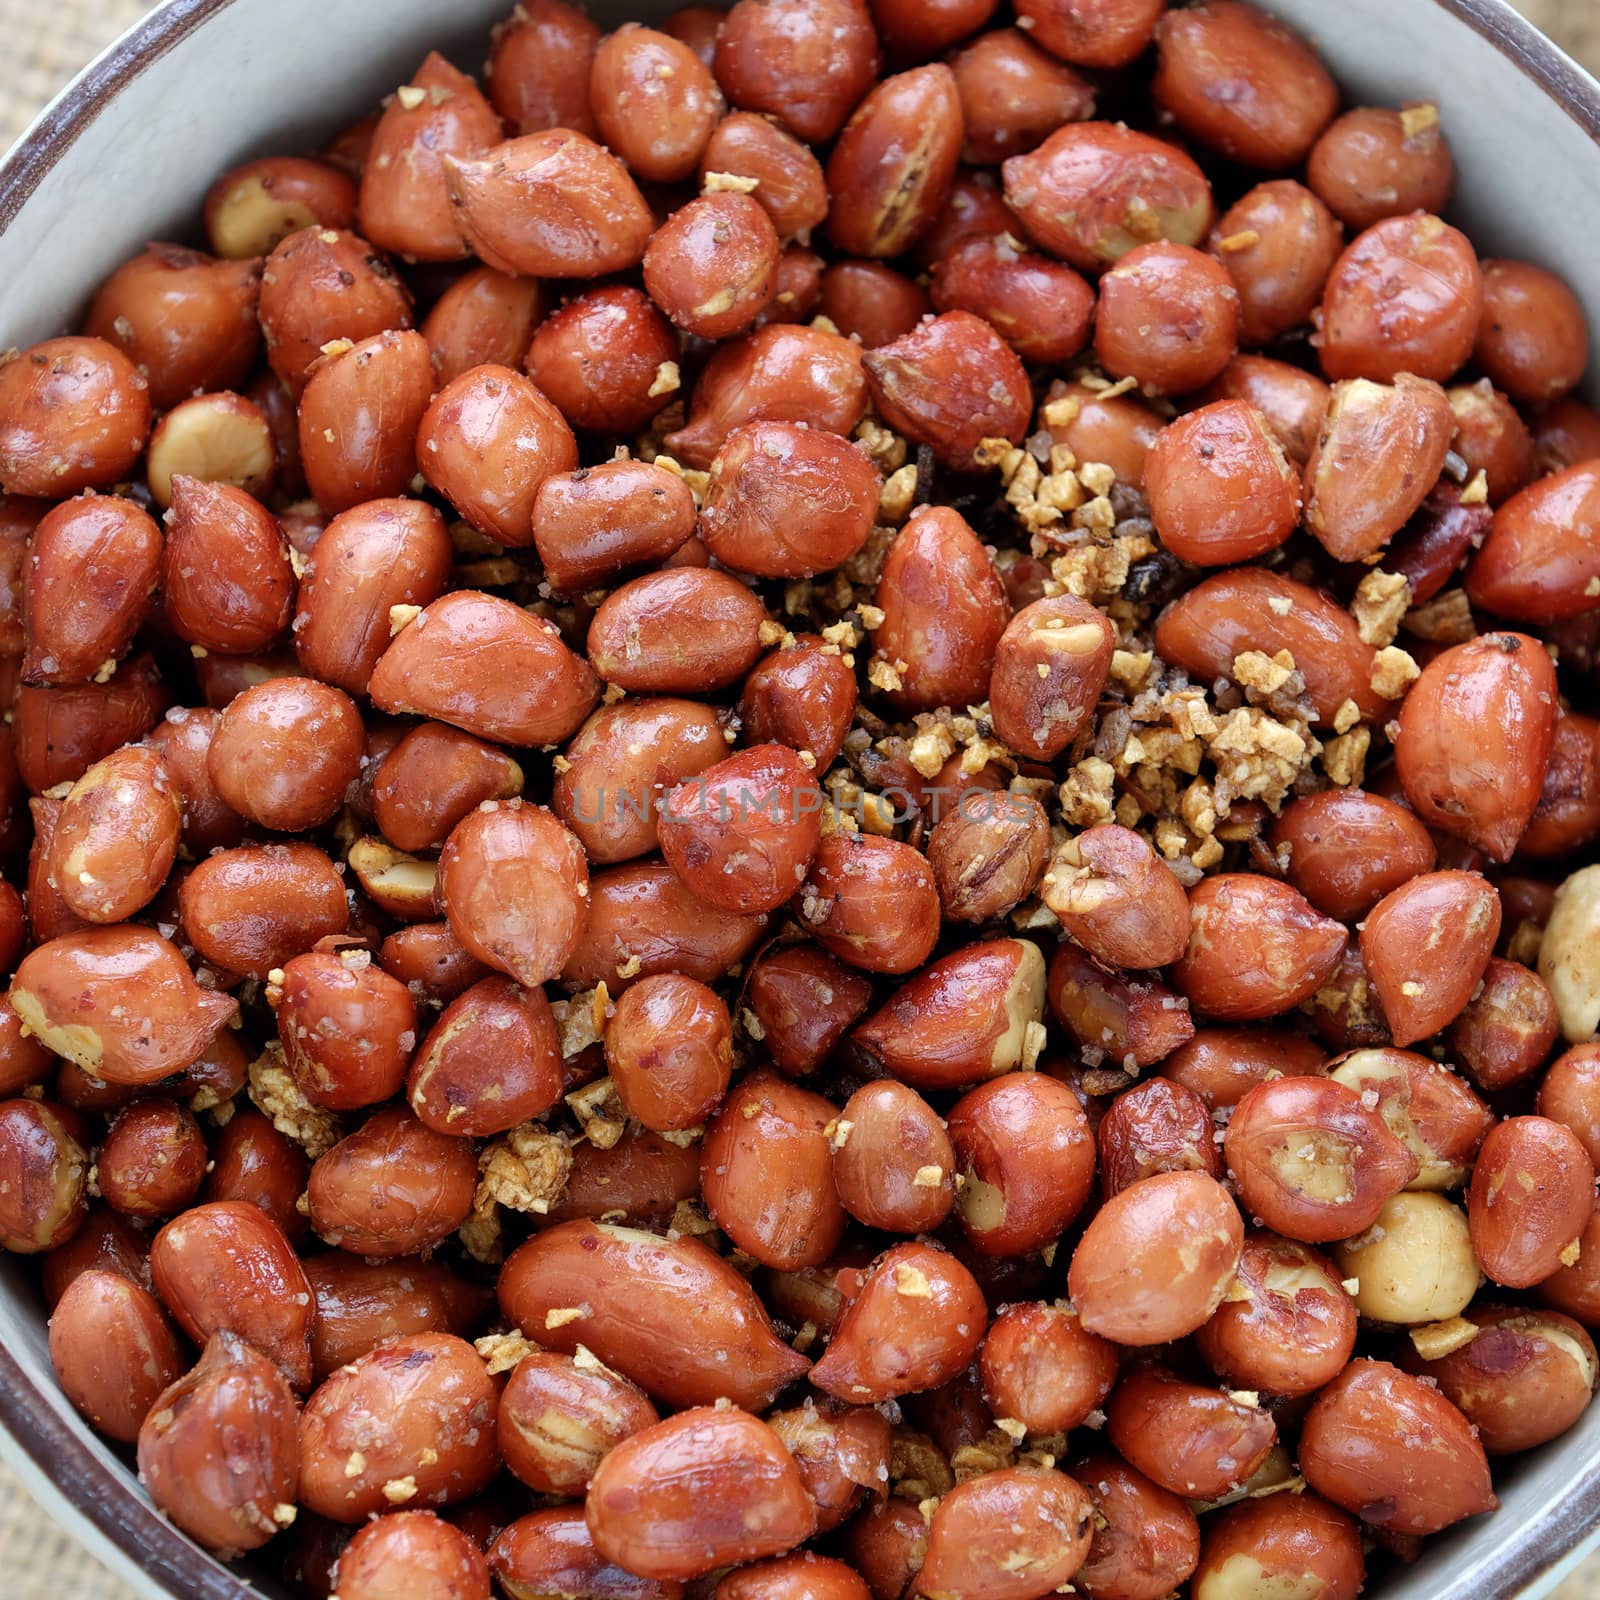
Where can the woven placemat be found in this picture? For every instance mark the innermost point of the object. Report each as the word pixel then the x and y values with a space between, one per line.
pixel 46 41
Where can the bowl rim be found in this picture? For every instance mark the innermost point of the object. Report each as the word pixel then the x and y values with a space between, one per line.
pixel 46 1443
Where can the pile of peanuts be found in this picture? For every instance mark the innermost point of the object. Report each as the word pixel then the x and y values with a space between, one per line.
pixel 723 879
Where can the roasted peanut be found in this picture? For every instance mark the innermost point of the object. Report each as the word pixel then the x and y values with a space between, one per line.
pixel 255 908
pixel 804 1001
pixel 415 1552
pixel 592 524
pixel 1131 1021
pixel 1531 1195
pixel 1041 1367
pixel 871 902
pixel 560 1415
pixel 113 1351
pixel 712 265
pixel 1195 1441
pixel 483 319
pixel 683 631
pixel 45 1170
pixel 1015 1534
pixel 602 358
pixel 1284 1539
pixel 152 1159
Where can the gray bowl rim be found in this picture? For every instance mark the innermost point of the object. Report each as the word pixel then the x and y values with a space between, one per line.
pixel 104 1495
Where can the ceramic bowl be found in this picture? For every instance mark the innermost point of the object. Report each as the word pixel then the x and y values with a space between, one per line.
pixel 122 156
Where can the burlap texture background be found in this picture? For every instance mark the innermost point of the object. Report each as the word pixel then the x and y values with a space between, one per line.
pixel 44 43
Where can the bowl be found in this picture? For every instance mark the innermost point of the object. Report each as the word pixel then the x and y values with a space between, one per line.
pixel 121 157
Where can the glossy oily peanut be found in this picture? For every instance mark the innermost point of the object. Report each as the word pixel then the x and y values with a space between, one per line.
pixel 552 1552
pixel 535 692
pixel 1160 1126
pixel 360 1304
pixel 1168 317
pixel 1013 95
pixel 871 303
pixel 1243 83
pixel 1405 296
pixel 895 1168
pixel 552 204
pixel 219 1450
pixel 1426 945
pixel 1504 1033
pixel 412 1552
pixel 359 417
pixel 1284 1539
pixel 842 1453
pixel 1133 1021
pixel 405 205
pixel 71 992
pixel 1146 1540
pixel 1379 452
pixel 151 1160
pixel 1346 849
pixel 1041 307
pixel 603 358
pixel 804 1001
pixel 962 1020
pixel 104 1242
pixel 254 908
pixel 624 759
pixel 433 778
pixel 227 583
pixel 1568 1095
pixel 486 442
pixel 515 887
pixel 1094 190
pixel 483 319
pixel 116 837
pixel 1375 162
pixel 802 695
pixel 669 1048
pixel 805 62
pixel 894 161
pixel 227 1267
pixel 1193 1440
pixel 595 523
pixel 284 753
pixel 1041 1367
pixel 492 1061
pixel 322 284
pixel 1491 438
pixel 1156 1259
pixel 252 1161
pixel 769 1126
pixel 185 320
pixel 1312 1160
pixel 1219 487
pixel 917 1321
pixel 712 264
pixel 787 501
pixel 46 1176
pixel 430 961
pixel 539 67
pixel 988 854
pixel 984 1530
pixel 92 565
pixel 560 1415
pixel 1278 244
pixel 951 383
pixel 643 921
pixel 1533 341
pixel 655 102
pixel 1538 561
pixel 74 415
pixel 1117 898
pixel 668 1313
pixel 1292 402
pixel 392 1188
pixel 743 833
pixel 1050 666
pixel 1205 630
pixel 804 1576
pixel 252 208
pixel 872 903
pixel 1256 948
pixel 417 1411
pixel 945 612
pixel 1531 1195
pixel 1484 786
pixel 780 374
pixel 705 1489
pixel 1521 1379
pixel 347 1028
pixel 683 631
pixel 1394 1452
pixel 368 560
pixel 1023 1146
pixel 113 1351
pixel 1286 1324
pixel 789 179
